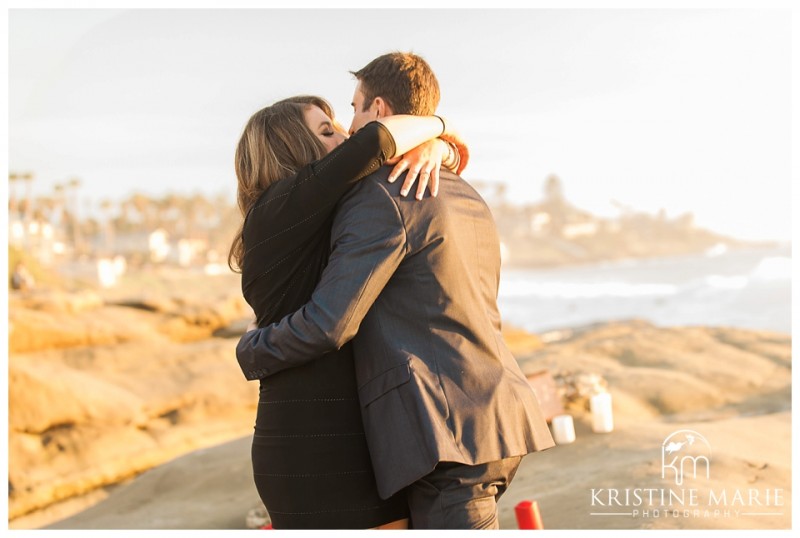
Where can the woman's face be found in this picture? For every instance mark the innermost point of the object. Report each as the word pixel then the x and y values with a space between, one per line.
pixel 327 130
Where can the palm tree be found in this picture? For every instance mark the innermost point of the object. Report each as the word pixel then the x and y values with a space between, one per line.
pixel 107 207
pixel 13 178
pixel 59 206
pixel 142 205
pixel 27 177
pixel 74 184
pixel 170 209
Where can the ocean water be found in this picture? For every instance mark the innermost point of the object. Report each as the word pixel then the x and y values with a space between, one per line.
pixel 735 288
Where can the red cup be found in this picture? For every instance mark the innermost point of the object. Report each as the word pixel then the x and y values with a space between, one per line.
pixel 528 516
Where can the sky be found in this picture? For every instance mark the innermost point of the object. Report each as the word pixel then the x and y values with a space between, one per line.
pixel 685 110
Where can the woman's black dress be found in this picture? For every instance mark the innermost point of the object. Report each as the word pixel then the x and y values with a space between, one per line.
pixel 310 460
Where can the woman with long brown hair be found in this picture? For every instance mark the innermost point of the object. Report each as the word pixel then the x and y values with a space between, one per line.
pixel 293 163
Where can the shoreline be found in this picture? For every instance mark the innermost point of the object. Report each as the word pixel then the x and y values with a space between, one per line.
pixel 748 290
pixel 782 247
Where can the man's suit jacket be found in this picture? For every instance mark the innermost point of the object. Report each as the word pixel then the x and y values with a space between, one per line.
pixel 414 283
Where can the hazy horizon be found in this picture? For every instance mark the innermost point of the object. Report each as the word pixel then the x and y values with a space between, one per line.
pixel 683 109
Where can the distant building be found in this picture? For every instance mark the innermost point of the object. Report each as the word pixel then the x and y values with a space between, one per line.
pixel 158 245
pixel 580 229
pixel 109 270
pixel 190 251
pixel 540 221
pixel 36 237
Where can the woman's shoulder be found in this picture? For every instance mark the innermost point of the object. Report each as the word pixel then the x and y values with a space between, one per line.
pixel 276 192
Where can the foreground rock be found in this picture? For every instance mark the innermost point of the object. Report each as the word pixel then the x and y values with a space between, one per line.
pixel 100 391
pixel 731 385
pixel 210 488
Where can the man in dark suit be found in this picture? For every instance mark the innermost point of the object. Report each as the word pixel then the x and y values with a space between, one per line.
pixel 447 412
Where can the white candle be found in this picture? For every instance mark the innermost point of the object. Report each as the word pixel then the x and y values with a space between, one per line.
pixel 563 429
pixel 602 414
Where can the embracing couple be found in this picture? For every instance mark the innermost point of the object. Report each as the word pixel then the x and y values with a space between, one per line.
pixel 388 397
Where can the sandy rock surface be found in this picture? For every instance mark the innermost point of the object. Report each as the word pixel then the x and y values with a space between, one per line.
pixel 732 386
pixel 103 388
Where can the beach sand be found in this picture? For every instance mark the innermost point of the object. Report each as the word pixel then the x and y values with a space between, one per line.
pixel 147 426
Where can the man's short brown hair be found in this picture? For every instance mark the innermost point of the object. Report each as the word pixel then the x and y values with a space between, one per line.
pixel 404 80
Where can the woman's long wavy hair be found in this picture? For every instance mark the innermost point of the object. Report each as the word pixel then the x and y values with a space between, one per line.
pixel 275 144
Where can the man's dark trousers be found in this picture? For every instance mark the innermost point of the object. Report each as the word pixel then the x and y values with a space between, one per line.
pixel 459 496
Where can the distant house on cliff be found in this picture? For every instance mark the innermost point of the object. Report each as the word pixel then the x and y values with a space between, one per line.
pixel 552 217
pixel 580 229
pixel 567 222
